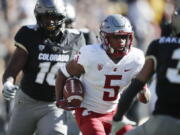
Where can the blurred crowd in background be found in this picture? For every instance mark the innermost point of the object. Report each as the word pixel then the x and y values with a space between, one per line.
pixel 148 17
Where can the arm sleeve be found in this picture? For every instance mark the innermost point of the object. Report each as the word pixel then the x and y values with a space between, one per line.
pixel 127 98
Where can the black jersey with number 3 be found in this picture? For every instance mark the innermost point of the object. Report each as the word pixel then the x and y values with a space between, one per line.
pixel 166 55
pixel 44 59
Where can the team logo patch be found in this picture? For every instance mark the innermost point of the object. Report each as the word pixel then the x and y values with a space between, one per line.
pixel 115 69
pixel 41 47
pixel 55 48
pixel 100 67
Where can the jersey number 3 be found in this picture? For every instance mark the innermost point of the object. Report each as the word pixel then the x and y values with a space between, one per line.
pixel 173 74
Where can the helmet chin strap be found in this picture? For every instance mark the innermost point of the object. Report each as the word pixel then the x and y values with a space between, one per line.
pixel 111 49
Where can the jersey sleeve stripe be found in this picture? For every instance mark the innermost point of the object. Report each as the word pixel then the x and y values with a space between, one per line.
pixel 21 46
pixel 154 59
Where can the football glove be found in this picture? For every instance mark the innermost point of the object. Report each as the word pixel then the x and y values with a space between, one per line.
pixel 144 95
pixel 9 90
pixel 118 125
pixel 63 103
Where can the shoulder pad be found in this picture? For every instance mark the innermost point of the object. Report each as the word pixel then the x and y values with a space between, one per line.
pixel 34 27
pixel 137 53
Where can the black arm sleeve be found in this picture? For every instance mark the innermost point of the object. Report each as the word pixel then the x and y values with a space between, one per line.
pixel 127 98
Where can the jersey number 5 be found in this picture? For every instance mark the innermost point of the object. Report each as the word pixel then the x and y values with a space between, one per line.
pixel 112 95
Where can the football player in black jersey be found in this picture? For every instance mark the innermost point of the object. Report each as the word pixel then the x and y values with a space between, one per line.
pixel 162 58
pixel 90 36
pixel 41 50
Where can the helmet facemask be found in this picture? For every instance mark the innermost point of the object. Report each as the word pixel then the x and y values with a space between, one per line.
pixel 51 24
pixel 117 44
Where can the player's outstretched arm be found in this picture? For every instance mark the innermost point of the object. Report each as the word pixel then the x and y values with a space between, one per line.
pixel 129 94
pixel 71 69
pixel 15 65
pixel 66 71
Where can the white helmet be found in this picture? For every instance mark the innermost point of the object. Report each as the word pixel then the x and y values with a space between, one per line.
pixel 114 25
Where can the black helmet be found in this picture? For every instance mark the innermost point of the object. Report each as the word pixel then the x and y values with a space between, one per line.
pixel 176 22
pixel 50 16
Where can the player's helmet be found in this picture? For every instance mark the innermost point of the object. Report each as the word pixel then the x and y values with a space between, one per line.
pixel 176 22
pixel 50 16
pixel 70 14
pixel 114 25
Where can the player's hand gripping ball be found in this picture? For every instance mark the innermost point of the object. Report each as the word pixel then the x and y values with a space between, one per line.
pixel 73 91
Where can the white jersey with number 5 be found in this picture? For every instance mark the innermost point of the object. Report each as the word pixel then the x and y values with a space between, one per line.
pixel 103 79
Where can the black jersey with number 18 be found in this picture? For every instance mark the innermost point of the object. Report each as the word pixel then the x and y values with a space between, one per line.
pixel 44 59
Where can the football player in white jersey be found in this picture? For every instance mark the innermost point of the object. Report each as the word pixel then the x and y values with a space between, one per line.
pixel 105 70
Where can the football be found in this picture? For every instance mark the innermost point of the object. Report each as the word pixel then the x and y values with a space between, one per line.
pixel 73 91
